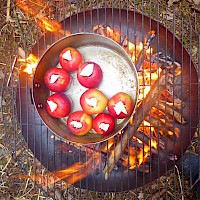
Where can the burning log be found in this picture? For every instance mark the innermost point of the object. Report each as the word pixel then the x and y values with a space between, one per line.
pixel 142 110
pixel 171 111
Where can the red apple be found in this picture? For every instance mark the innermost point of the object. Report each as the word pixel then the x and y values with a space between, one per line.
pixel 90 75
pixel 79 123
pixel 104 123
pixel 70 59
pixel 121 105
pixel 58 105
pixel 93 101
pixel 57 79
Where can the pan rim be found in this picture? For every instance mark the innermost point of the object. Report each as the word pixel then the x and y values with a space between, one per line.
pixel 100 138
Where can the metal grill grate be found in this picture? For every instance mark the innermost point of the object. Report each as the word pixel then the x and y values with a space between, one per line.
pixel 34 145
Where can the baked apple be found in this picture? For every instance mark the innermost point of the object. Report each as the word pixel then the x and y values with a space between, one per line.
pixel 90 75
pixel 93 101
pixel 58 105
pixel 70 59
pixel 103 123
pixel 79 123
pixel 120 105
pixel 57 79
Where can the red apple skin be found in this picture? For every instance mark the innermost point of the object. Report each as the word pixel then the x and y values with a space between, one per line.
pixel 61 84
pixel 75 63
pixel 103 118
pixel 102 101
pixel 64 105
pixel 82 117
pixel 127 101
pixel 94 79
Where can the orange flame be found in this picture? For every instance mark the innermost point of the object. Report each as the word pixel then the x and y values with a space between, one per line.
pixel 136 158
pixel 30 63
pixel 109 144
pixel 115 35
pixel 48 24
pixel 38 8
pixel 71 175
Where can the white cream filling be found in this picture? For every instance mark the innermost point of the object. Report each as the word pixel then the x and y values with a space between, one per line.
pixel 54 78
pixel 52 105
pixel 76 124
pixel 87 70
pixel 91 102
pixel 67 55
pixel 104 126
pixel 120 107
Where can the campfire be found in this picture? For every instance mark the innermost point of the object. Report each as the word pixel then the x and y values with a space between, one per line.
pixel 147 137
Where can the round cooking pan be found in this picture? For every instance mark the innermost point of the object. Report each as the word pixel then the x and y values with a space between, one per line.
pixel 119 75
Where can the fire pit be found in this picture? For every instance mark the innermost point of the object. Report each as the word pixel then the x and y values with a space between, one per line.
pixel 161 129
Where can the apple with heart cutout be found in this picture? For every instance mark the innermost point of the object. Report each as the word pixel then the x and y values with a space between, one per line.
pixel 70 59
pixel 121 105
pixel 57 79
pixel 90 75
pixel 104 123
pixel 79 123
pixel 93 101
pixel 58 105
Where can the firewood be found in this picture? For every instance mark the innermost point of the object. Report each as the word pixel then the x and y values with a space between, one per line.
pixel 155 123
pixel 142 110
pixel 160 152
pixel 171 111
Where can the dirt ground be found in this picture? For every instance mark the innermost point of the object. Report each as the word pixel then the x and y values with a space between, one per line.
pixel 12 28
